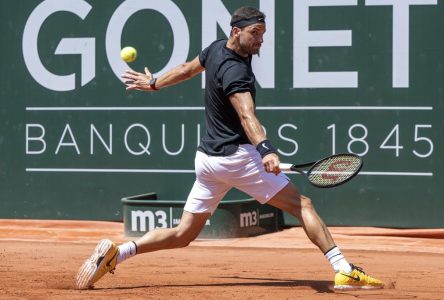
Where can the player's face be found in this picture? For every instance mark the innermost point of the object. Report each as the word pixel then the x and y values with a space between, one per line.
pixel 251 38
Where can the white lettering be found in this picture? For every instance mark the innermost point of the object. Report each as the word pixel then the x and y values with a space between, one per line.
pixel 182 141
pixel 400 38
pixel 37 138
pixel 140 217
pixel 67 144
pixel 248 219
pixel 296 146
pixel 161 219
pixel 303 39
pixel 215 16
pixel 86 47
pixel 83 46
pixel 266 216
pixel 109 146
pixel 144 148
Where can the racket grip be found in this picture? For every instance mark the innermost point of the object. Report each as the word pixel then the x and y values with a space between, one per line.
pixel 285 167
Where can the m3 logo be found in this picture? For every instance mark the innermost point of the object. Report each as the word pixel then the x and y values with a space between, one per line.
pixel 156 219
pixel 248 219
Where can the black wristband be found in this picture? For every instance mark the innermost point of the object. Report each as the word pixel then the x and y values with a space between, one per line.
pixel 135 245
pixel 152 84
pixel 265 147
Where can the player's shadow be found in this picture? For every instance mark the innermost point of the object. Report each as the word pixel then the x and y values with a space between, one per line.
pixel 321 286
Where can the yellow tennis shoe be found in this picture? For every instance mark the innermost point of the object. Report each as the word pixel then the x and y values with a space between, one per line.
pixel 102 261
pixel 357 279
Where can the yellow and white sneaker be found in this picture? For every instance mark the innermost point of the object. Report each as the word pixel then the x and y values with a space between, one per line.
pixel 357 279
pixel 102 261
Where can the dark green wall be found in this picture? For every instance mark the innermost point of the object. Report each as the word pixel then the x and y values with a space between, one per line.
pixel 392 113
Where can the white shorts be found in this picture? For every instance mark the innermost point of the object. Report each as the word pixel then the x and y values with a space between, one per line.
pixel 216 175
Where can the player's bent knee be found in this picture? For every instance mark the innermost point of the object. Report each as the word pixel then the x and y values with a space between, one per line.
pixel 185 237
pixel 304 205
pixel 306 202
pixel 182 243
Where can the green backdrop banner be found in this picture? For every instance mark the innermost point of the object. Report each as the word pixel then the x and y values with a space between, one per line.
pixel 333 76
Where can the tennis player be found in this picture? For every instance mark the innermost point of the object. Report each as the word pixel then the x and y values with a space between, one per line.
pixel 234 152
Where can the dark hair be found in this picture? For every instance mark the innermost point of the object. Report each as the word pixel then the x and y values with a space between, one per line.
pixel 249 14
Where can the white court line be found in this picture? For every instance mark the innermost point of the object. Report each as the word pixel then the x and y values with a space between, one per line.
pixel 87 170
pixel 194 108
pixel 397 173
pixel 344 108
pixel 118 108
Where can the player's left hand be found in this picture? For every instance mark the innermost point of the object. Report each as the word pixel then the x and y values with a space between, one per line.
pixel 137 81
pixel 271 163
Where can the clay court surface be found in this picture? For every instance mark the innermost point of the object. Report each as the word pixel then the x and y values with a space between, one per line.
pixel 39 260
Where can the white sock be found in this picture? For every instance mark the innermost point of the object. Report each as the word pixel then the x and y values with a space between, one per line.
pixel 126 251
pixel 337 260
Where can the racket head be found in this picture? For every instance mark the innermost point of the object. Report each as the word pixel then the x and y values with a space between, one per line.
pixel 334 170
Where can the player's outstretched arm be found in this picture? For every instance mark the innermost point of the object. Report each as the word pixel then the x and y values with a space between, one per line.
pixel 141 81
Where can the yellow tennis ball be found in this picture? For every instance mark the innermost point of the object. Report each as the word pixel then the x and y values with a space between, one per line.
pixel 128 54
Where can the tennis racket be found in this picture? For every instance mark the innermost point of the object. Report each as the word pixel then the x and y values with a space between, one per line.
pixel 330 171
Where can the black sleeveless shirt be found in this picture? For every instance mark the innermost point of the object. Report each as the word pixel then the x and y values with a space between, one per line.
pixel 226 73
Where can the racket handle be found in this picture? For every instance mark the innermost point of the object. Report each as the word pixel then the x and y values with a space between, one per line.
pixel 285 167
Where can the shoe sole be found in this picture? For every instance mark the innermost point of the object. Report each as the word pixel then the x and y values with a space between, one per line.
pixel 358 287
pixel 89 268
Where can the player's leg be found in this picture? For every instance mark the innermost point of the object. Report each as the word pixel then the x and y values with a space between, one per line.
pixel 290 200
pixel 247 174
pixel 347 275
pixel 188 229
pixel 277 190
pixel 107 255
pixel 202 201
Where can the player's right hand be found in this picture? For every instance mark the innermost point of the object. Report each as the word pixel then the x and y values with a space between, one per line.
pixel 271 163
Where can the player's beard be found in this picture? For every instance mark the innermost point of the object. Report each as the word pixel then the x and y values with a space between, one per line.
pixel 250 50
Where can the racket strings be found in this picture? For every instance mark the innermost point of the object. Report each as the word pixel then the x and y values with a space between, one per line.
pixel 334 170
